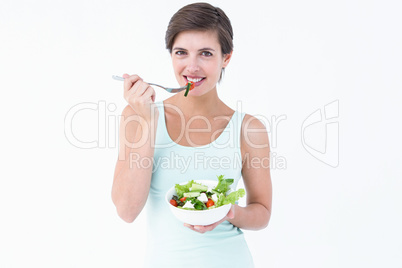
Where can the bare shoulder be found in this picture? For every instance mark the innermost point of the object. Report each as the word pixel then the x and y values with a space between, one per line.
pixel 254 134
pixel 252 122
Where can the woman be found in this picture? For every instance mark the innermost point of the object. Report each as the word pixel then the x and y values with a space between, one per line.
pixel 189 132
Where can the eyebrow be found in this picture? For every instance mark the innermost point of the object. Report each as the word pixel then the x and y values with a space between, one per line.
pixel 202 49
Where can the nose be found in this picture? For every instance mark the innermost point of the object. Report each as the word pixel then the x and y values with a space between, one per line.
pixel 193 65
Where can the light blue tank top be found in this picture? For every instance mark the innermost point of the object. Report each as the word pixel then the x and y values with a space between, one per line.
pixel 170 244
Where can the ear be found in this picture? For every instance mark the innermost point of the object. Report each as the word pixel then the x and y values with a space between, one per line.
pixel 226 59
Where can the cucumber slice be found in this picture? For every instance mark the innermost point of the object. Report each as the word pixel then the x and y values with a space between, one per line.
pixel 215 192
pixel 198 187
pixel 192 194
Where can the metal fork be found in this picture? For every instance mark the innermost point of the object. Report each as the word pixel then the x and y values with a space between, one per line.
pixel 168 89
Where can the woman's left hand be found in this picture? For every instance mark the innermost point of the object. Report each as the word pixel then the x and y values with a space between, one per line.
pixel 205 228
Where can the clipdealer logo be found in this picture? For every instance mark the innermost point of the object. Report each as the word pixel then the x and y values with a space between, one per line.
pixel 320 134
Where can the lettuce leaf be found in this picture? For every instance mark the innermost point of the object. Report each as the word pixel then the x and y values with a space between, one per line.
pixel 181 189
pixel 198 205
pixel 221 199
pixel 234 196
pixel 223 184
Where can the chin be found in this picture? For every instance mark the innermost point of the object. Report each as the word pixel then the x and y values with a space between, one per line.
pixel 198 92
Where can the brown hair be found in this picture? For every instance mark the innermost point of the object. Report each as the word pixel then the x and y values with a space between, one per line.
pixel 203 17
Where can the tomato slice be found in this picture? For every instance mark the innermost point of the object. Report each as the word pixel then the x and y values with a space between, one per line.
pixel 192 86
pixel 210 203
pixel 173 202
pixel 183 199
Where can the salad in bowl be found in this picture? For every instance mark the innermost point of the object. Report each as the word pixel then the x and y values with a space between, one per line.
pixel 202 202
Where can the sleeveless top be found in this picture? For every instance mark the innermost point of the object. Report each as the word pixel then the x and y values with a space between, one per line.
pixel 169 243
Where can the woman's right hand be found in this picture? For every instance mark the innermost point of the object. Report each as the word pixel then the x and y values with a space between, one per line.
pixel 140 96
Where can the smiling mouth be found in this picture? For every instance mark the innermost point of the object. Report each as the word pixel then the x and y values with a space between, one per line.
pixel 194 80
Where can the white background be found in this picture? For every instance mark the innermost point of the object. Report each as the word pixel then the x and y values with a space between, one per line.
pixel 291 58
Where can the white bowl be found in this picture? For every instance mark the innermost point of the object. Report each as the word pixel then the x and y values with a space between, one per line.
pixel 197 217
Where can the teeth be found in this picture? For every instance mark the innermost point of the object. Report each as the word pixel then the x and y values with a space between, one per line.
pixel 195 80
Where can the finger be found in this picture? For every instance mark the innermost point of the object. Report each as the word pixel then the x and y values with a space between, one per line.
pixel 211 226
pixel 190 226
pixel 206 228
pixel 201 229
pixel 136 90
pixel 139 88
pixel 130 81
pixel 126 75
pixel 196 228
pixel 149 94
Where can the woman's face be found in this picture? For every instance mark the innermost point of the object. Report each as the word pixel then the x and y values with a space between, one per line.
pixel 197 57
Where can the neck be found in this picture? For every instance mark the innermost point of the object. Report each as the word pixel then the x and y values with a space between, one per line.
pixel 207 104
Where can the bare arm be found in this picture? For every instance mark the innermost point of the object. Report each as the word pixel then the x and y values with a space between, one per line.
pixel 132 178
pixel 256 177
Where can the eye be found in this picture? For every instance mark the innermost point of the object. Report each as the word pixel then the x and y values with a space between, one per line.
pixel 206 53
pixel 180 52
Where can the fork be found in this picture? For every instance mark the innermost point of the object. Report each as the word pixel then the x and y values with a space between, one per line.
pixel 168 89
